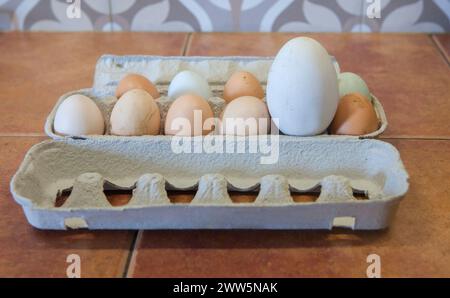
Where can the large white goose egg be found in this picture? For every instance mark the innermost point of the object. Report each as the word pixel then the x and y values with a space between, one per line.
pixel 302 88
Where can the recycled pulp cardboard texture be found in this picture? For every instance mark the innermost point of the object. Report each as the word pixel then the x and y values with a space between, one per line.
pixel 339 166
pixel 160 70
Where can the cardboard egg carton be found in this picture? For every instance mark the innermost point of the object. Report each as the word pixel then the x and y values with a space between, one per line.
pixel 276 168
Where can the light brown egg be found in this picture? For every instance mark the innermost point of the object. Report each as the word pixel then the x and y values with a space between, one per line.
pixel 136 81
pixel 242 83
pixel 187 116
pixel 355 115
pixel 135 114
pixel 244 116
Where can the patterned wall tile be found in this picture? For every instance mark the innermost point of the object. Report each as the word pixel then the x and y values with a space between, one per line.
pixel 361 15
pixel 313 15
pixel 8 14
pixel 5 20
pixel 409 16
pixel 228 15
pixel 59 15
pixel 155 15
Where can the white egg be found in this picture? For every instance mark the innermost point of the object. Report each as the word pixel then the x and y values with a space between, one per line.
pixel 302 88
pixel 78 115
pixel 189 82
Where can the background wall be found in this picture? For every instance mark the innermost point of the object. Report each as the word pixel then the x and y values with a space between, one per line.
pixel 226 15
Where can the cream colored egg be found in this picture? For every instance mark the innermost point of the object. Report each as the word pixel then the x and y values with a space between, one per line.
pixel 135 114
pixel 244 116
pixel 79 115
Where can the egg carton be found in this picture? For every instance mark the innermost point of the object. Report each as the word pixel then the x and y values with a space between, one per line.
pixel 160 70
pixel 336 168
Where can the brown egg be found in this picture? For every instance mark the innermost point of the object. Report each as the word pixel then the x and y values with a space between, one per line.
pixel 242 83
pixel 136 81
pixel 355 115
pixel 244 116
pixel 135 114
pixel 187 116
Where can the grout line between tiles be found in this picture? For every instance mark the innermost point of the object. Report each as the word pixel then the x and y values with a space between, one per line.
pixel 110 9
pixel 440 49
pixel 363 19
pixel 130 262
pixel 187 44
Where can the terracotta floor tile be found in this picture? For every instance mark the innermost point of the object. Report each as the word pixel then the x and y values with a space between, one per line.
pixel 37 68
pixel 443 41
pixel 417 243
pixel 405 71
pixel 28 252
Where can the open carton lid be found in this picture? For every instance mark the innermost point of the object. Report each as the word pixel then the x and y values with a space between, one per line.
pixel 337 170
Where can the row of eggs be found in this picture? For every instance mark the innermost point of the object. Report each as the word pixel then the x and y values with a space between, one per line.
pixel 303 94
pixel 136 111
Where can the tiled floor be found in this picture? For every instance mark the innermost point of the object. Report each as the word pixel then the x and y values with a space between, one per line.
pixel 37 68
pixel 28 252
pixel 407 72
pixel 417 243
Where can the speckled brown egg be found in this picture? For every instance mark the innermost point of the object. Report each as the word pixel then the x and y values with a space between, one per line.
pixel 189 115
pixel 355 115
pixel 242 83
pixel 136 81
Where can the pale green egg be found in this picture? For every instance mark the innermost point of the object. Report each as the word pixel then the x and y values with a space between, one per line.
pixel 352 83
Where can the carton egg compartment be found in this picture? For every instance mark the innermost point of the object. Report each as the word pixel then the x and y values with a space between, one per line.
pixel 105 99
pixel 92 190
